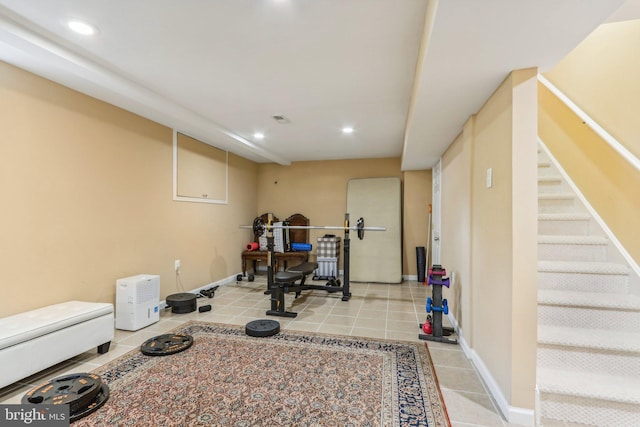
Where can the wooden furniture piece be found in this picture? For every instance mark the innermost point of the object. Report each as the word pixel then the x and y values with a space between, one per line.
pixel 282 258
pixel 295 236
pixel 256 256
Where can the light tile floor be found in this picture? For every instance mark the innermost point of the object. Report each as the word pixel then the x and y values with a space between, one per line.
pixel 375 310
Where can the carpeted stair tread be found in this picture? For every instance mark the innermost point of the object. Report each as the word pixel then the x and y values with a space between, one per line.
pixel 556 196
pixel 594 339
pixel 589 385
pixel 563 217
pixel 549 179
pixel 583 267
pixel 551 239
pixel 589 299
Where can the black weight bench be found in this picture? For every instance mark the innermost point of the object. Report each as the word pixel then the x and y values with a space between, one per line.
pixel 286 281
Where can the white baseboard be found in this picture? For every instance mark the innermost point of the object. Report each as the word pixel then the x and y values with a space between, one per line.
pixel 513 414
pixel 411 277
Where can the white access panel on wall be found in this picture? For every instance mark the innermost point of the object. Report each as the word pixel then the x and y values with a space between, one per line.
pixel 378 257
pixel 137 301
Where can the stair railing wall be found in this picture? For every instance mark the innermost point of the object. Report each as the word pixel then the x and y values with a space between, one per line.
pixel 606 136
pixel 632 176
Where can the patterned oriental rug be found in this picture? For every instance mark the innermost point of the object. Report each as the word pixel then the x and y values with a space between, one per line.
pixel 227 378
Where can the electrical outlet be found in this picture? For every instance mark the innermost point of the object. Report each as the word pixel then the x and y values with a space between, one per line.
pixel 177 265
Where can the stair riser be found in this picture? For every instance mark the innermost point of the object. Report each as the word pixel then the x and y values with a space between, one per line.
pixel 550 186
pixel 571 252
pixel 579 317
pixel 546 171
pixel 613 283
pixel 558 206
pixel 589 360
pixel 566 228
pixel 589 411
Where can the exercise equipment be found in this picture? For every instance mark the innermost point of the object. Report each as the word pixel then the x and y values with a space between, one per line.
pixel 250 278
pixel 84 393
pixel 438 306
pixel 286 280
pixel 262 328
pixel 253 246
pixel 280 282
pixel 183 302
pixel 204 308
pixel 305 247
pixel 209 293
pixel 259 227
pixel 164 345
pixel 427 327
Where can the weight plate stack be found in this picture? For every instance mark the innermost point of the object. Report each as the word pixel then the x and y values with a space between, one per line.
pixel 84 393
pixel 182 303
pixel 164 345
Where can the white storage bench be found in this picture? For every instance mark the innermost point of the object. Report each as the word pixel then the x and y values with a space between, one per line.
pixel 37 339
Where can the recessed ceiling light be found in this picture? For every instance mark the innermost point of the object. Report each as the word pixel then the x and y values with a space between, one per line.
pixel 82 27
pixel 347 129
pixel 258 135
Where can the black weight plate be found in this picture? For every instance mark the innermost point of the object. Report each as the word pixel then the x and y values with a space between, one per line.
pixel 164 345
pixel 184 302
pixel 262 328
pixel 258 226
pixel 76 390
pixel 101 399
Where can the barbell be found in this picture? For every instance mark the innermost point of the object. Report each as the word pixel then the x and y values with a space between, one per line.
pixel 259 226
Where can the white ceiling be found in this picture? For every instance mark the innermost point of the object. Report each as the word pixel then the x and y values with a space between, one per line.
pixel 405 74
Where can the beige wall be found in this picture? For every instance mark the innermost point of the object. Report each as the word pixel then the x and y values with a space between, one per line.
pixel 524 244
pixel 455 247
pixel 489 235
pixel 601 76
pixel 417 190
pixel 318 190
pixel 87 199
pixel 87 191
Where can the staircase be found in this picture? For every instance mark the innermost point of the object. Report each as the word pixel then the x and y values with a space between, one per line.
pixel 588 369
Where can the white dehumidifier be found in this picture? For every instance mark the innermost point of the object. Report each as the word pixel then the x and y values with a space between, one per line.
pixel 137 301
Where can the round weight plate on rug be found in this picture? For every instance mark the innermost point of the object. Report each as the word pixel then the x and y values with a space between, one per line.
pixel 100 399
pixel 262 328
pixel 164 345
pixel 77 390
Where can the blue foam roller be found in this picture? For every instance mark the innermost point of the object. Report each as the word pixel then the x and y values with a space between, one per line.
pixel 301 246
